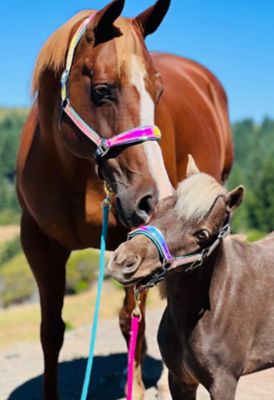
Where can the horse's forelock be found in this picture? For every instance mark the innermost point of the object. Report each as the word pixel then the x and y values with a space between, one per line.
pixel 127 43
pixel 196 195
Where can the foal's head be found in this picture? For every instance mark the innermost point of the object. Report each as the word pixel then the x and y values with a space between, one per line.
pixel 114 87
pixel 189 220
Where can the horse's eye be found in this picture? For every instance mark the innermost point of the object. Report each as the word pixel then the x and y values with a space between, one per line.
pixel 102 93
pixel 202 235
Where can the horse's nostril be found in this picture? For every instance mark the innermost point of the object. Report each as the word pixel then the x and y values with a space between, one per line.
pixel 146 204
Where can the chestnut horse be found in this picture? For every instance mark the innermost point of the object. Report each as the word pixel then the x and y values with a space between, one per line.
pixel 114 84
pixel 218 324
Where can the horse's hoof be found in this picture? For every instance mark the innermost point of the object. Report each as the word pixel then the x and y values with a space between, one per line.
pixel 138 392
pixel 163 387
pixel 163 394
pixel 139 395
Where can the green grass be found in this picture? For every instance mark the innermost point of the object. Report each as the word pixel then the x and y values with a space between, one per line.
pixel 18 282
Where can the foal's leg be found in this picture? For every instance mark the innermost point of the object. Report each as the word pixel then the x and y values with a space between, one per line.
pixel 181 390
pixel 141 347
pixel 223 387
pixel 47 260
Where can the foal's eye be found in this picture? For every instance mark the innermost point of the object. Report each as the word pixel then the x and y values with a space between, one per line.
pixel 201 235
pixel 102 93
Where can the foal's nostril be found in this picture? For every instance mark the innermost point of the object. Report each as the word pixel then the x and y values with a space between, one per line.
pixel 131 265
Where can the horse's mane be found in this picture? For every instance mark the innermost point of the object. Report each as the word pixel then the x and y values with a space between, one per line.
pixel 53 53
pixel 196 195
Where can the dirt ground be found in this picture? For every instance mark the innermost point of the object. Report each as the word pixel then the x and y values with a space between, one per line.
pixel 21 367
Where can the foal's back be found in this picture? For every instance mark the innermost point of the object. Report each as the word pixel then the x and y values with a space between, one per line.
pixel 251 296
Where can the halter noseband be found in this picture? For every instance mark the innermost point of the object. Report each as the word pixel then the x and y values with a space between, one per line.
pixel 127 138
pixel 169 262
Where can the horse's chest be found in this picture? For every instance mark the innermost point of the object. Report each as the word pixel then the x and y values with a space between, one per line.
pixel 74 219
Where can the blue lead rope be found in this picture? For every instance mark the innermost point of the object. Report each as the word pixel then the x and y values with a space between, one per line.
pixel 106 205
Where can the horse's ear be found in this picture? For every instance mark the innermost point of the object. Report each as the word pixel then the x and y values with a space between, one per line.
pixel 191 168
pixel 234 198
pixel 150 19
pixel 101 26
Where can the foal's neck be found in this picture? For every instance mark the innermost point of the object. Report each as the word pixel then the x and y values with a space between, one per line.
pixel 188 294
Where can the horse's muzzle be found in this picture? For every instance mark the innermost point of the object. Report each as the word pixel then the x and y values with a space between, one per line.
pixel 134 210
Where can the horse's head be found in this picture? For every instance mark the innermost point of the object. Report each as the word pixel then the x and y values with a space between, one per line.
pixel 114 87
pixel 190 220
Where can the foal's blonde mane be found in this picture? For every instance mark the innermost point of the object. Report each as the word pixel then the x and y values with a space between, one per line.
pixel 53 53
pixel 196 195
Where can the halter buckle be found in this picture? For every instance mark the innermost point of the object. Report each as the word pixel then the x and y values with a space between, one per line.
pixel 64 77
pixel 136 312
pixel 197 264
pixel 101 150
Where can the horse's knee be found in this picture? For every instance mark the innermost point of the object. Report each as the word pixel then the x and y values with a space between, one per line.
pixel 52 336
pixel 223 387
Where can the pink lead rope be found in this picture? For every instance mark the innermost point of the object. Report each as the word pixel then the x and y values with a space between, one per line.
pixel 134 328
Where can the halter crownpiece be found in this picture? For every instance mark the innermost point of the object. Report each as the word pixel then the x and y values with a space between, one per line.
pixel 127 138
pixel 170 262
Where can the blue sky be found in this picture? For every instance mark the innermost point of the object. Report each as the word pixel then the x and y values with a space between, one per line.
pixel 234 39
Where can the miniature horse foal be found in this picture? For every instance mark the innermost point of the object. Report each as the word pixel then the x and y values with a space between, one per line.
pixel 219 320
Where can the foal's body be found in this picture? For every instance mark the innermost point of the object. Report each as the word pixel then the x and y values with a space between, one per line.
pixel 219 322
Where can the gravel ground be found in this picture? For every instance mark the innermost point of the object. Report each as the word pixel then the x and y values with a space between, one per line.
pixel 21 367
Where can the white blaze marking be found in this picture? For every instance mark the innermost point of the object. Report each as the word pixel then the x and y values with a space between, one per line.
pixel 152 149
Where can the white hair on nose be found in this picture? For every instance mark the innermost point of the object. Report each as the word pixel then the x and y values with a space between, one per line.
pixel 196 195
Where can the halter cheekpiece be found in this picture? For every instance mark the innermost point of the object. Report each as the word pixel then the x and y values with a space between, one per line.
pixel 169 262
pixel 103 145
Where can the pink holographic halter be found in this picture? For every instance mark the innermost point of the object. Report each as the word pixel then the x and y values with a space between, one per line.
pixel 127 138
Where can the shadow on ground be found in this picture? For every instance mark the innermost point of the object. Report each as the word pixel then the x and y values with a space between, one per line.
pixel 106 379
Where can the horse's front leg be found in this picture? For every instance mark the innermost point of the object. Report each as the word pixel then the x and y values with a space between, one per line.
pixel 141 347
pixel 47 260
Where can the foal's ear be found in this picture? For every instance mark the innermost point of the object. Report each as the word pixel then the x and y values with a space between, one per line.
pixel 234 198
pixel 191 168
pixel 101 26
pixel 150 19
